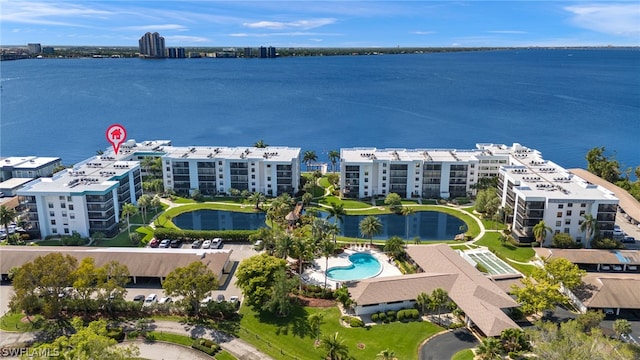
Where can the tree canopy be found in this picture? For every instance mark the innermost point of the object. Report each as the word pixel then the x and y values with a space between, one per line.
pixel 560 270
pixel 256 277
pixel 193 283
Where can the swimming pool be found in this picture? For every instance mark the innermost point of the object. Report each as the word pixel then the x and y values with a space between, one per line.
pixel 363 266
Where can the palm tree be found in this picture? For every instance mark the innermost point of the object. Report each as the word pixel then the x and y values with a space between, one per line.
pixel 315 320
pixel 394 247
pixel 622 327
pixel 260 144
pixel 588 226
pixel 327 248
pixel 128 210
pixel 143 203
pixel 308 157
pixel 284 245
pixel 333 156
pixel 540 231
pixel 514 340
pixel 337 212
pixel 370 227
pixel 336 348
pixel 257 198
pixel 423 301
pixel 489 349
pixel 386 354
pixel 302 251
pixel 6 217
pixel 437 300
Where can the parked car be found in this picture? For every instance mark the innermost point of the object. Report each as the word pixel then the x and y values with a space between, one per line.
pixel 139 298
pixel 617 267
pixel 235 301
pixel 605 267
pixel 629 239
pixel 165 243
pixel 154 243
pixel 176 243
pixel 165 300
pixel 206 300
pixel 206 244
pixel 220 298
pixel 150 299
pixel 609 312
pixel 632 267
pixel 216 243
pixel 196 244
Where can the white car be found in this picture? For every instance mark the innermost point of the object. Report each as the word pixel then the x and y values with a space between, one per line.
pixel 206 300
pixel 150 299
pixel 216 243
pixel 165 300
pixel 206 244
pixel 605 267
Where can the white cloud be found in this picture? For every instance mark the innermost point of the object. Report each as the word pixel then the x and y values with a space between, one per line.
pixel 300 24
pixel 614 19
pixel 422 32
pixel 155 27
pixel 48 13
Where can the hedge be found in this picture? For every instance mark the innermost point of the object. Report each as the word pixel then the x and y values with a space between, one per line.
pixel 227 235
pixel 355 322
pixel 206 346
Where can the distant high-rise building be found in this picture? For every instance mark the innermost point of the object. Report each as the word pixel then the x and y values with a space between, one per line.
pixel 271 52
pixel 174 53
pixel 248 52
pixel 152 45
pixel 262 52
pixel 34 48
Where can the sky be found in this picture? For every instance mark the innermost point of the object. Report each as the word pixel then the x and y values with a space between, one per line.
pixel 337 23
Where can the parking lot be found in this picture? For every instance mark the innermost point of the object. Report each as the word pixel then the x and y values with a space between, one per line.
pixel 146 287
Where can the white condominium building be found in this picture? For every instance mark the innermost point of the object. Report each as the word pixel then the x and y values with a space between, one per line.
pixel 214 170
pixel 538 189
pixel 27 167
pixel 85 199
pixel 426 173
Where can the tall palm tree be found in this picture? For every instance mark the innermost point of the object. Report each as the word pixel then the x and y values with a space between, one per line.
pixel 540 231
pixel 335 347
pixel 308 157
pixel 337 212
pixel 6 217
pixel 386 354
pixel 315 320
pixel 257 198
pixel 301 249
pixel 143 203
pixel 260 144
pixel 327 248
pixel 284 245
pixel 128 210
pixel 423 301
pixel 394 247
pixel 588 226
pixel 438 300
pixel 370 227
pixel 333 156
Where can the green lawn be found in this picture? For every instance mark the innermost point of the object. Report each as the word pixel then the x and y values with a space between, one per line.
pixel 223 355
pixel 522 254
pixel 463 355
pixel 17 322
pixel 172 338
pixel 293 336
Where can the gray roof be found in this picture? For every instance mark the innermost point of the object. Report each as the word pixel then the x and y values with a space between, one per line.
pixel 480 299
pixel 144 262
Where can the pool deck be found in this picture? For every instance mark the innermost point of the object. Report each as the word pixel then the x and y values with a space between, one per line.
pixel 315 274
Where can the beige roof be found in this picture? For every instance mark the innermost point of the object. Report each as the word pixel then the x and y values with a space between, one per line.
pixel 628 203
pixel 140 261
pixel 480 299
pixel 593 256
pixel 611 291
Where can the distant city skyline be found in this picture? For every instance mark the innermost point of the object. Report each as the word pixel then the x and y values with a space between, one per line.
pixel 207 23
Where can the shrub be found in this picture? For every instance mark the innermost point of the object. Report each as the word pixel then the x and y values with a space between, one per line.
pixel 374 317
pixel 356 322
pixel 206 346
pixel 382 316
pixel 415 314
pixel 117 334
pixel 401 315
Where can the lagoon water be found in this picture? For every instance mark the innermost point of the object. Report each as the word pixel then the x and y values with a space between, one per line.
pixel 561 102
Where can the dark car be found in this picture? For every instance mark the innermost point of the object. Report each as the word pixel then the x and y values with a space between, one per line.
pixel 139 298
pixel 220 298
pixel 154 243
pixel 196 244
pixel 629 239
pixel 176 243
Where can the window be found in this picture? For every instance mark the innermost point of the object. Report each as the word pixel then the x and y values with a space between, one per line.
pixel 384 186
pixel 64 214
pixel 567 221
pixel 366 173
pixel 268 178
pixel 168 168
pixel 70 206
pixel 66 230
pixel 268 165
pixel 384 171
pixel 68 198
pixel 384 165
pixel 220 176
pixel 579 239
pixel 54 231
pixel 582 212
pixel 220 164
pixel 568 212
pixel 63 205
pixel 559 214
pixel 366 193
pixel 72 217
pixel 384 178
pixel 366 180
pixel 253 176
pixel 560 206
pixel 570 205
pixel 61 198
pixel 558 223
pixel 52 214
pixel 366 187
pixel 566 230
pixel 53 221
pixel 50 205
pixel 253 170
pixel 417 179
pixel 583 205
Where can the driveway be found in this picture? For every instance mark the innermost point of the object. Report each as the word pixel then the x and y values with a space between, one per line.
pixel 162 350
pixel 445 345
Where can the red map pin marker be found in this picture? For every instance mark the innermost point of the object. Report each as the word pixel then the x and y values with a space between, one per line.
pixel 116 135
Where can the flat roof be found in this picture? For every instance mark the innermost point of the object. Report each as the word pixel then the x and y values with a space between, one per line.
pixel 268 154
pixel 143 262
pixel 14 183
pixel 364 155
pixel 27 162
pixel 593 256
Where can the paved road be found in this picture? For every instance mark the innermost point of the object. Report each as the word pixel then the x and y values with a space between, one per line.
pixel 162 351
pixel 445 345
